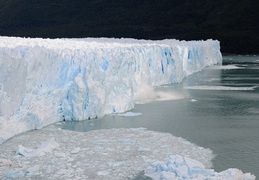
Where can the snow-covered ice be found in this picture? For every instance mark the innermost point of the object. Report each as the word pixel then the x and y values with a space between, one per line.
pixel 43 81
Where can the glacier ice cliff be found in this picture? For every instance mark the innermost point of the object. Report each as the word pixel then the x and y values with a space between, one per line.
pixel 43 81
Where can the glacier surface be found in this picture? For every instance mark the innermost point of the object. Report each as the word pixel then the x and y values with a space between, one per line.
pixel 43 81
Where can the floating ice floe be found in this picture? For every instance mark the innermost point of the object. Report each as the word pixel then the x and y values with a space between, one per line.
pixel 226 67
pixel 129 114
pixel 221 88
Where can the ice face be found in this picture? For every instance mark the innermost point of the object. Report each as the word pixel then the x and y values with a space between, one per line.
pixel 43 81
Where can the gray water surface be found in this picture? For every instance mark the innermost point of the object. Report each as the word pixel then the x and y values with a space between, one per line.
pixel 226 121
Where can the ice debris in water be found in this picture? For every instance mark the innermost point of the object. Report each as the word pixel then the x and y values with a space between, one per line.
pixel 226 67
pixel 45 147
pixel 101 154
pixel 179 167
pixel 221 88
pixel 193 100
pixel 128 114
pixel 109 154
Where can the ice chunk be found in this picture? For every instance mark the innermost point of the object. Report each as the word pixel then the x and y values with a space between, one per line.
pixel 75 151
pixel 5 162
pixel 127 114
pixel 116 164
pixel 180 167
pixel 235 174
pixel 14 175
pixel 45 147
pixel 33 170
pixel 26 152
pixel 103 173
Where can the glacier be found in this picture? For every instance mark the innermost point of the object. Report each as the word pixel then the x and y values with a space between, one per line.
pixel 43 81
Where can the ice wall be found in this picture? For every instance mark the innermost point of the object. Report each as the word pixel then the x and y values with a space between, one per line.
pixel 43 81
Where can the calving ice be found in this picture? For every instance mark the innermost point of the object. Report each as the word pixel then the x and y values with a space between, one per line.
pixel 43 81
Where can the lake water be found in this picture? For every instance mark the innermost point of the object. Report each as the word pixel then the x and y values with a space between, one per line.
pixel 217 108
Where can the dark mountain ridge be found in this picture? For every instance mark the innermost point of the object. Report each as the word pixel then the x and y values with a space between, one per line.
pixel 233 22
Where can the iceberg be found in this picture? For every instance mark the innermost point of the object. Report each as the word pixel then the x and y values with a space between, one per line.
pixel 43 81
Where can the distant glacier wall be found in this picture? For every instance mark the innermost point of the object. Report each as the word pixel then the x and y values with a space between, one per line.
pixel 43 81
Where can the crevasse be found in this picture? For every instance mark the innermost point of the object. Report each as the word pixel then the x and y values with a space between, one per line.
pixel 43 81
